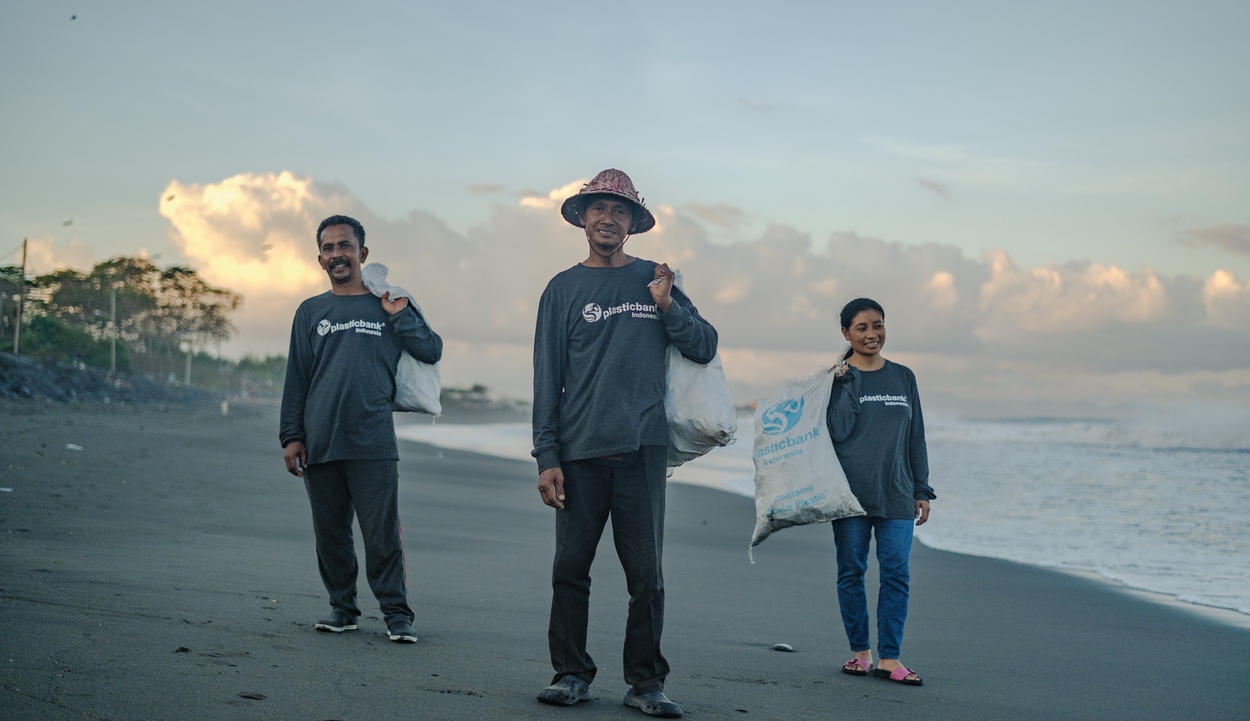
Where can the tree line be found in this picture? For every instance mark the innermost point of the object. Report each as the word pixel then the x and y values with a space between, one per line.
pixel 144 314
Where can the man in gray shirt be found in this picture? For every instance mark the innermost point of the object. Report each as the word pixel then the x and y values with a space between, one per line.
pixel 600 433
pixel 337 430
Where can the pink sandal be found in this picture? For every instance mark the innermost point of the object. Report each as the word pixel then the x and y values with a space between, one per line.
pixel 857 667
pixel 899 675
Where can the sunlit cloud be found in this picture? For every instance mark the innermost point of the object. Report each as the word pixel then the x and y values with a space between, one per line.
pixel 721 214
pixel 553 198
pixel 985 330
pixel 1227 300
pixel 1077 297
pixel 49 254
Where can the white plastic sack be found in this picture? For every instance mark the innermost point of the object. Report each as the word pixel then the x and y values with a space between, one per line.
pixel 701 415
pixel 798 479
pixel 417 385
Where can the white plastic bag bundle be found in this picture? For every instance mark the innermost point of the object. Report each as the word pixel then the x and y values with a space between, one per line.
pixel 701 415
pixel 417 385
pixel 798 479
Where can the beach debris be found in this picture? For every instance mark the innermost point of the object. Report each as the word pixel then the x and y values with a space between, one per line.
pixel 6 490
pixel 252 695
pixel 72 447
pixel 783 647
pixel 182 649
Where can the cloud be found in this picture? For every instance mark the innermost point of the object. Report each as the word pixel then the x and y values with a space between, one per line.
pixel 551 199
pixel 1073 298
pixel 1232 237
pixel 1227 301
pixel 934 187
pixel 721 214
pixel 48 254
pixel 985 330
pixel 255 234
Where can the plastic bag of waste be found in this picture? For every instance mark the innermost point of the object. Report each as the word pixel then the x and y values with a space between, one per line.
pixel 798 479
pixel 701 415
pixel 417 385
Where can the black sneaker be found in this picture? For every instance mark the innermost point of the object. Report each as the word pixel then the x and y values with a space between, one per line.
pixel 652 703
pixel 401 632
pixel 568 691
pixel 338 622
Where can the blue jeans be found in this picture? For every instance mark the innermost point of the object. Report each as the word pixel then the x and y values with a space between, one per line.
pixel 851 536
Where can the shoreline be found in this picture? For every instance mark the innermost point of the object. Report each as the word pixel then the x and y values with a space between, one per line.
pixel 449 434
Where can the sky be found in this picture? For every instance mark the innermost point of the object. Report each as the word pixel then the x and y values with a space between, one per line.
pixel 1052 201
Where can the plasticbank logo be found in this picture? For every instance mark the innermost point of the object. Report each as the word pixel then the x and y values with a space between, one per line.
pixel 325 327
pixel 782 417
pixel 593 313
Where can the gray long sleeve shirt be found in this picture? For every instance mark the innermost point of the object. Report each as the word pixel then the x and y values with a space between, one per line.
pixel 599 362
pixel 877 429
pixel 340 375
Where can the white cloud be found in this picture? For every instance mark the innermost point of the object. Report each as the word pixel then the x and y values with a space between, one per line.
pixel 984 329
pixel 554 198
pixel 1074 298
pixel 1227 301
pixel 48 254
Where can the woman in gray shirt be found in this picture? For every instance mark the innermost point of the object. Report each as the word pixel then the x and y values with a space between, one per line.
pixel 878 432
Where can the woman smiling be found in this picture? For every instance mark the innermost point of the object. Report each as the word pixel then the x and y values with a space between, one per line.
pixel 878 432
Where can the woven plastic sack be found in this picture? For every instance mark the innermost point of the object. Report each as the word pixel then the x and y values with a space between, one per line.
pixel 701 415
pixel 798 479
pixel 417 385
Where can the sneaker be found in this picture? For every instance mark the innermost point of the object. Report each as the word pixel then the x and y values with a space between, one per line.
pixel 652 703
pixel 568 691
pixel 338 622
pixel 401 632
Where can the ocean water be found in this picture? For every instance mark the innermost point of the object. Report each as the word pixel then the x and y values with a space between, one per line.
pixel 1144 505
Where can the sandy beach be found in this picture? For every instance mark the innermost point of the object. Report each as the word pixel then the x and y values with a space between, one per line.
pixel 166 571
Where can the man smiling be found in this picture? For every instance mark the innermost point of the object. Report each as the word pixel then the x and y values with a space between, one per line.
pixel 600 433
pixel 337 429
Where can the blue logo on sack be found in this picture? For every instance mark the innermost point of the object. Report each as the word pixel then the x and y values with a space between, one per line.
pixel 782 417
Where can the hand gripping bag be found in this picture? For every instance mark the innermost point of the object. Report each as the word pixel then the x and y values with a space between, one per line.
pixel 417 385
pixel 798 479
pixel 701 415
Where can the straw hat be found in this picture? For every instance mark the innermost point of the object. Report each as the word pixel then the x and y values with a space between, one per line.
pixel 610 182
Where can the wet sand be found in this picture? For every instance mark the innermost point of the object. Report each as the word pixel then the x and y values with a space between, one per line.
pixel 166 571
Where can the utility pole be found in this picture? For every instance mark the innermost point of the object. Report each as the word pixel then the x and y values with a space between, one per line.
pixel 21 298
pixel 113 323
pixel 187 346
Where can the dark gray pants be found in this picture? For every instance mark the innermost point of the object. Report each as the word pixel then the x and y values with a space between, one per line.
pixel 370 491
pixel 634 497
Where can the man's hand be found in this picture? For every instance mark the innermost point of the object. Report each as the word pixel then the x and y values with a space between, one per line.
pixel 551 487
pixel 922 512
pixel 661 288
pixel 296 457
pixel 391 307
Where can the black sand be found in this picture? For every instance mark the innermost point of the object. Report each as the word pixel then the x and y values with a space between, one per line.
pixel 166 571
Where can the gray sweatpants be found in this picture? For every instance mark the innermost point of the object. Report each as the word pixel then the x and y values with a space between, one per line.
pixel 370 491
pixel 634 498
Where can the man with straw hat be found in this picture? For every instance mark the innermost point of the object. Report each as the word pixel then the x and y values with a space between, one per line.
pixel 600 434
